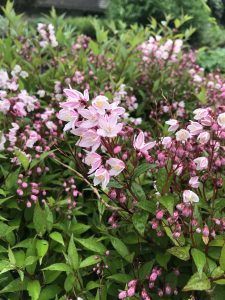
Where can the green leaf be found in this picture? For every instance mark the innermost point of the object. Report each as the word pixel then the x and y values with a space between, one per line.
pixel 122 249
pixel 162 181
pixel 79 228
pixel 149 206
pixel 89 261
pixel 94 47
pixel 163 259
pixel 139 220
pixel 222 258
pixel 121 278
pixel 142 169
pixel 196 283
pixel 49 292
pixel 145 269
pixel 73 255
pixel 22 159
pixel 14 286
pixel 92 244
pixel 199 259
pixel 68 283
pixel 39 220
pixel 58 267
pixel 91 285
pixel 56 236
pixel 11 256
pixel 42 248
pixel 30 260
pixel 138 191
pixel 180 252
pixel 34 289
pixel 168 202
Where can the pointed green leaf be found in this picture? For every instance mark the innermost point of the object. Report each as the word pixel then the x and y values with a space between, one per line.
pixel 72 254
pixel 196 283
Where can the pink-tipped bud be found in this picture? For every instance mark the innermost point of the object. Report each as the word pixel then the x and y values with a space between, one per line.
pixel 205 231
pixel 122 295
pixel 117 149
pixel 159 214
pixel 20 192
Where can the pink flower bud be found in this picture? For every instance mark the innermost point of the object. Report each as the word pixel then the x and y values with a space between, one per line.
pixel 122 295
pixel 205 231
pixel 131 292
pixel 159 214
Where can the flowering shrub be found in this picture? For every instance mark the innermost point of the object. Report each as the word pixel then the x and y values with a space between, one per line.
pixel 112 164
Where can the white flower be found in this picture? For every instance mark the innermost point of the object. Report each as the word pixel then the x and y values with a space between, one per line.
pixel 221 120
pixel 190 197
pixel 183 135
pixel 2 141
pixel 203 137
pixel 173 125
pixel 201 163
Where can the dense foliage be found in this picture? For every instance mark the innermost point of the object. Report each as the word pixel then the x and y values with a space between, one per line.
pixel 107 188
pixel 208 30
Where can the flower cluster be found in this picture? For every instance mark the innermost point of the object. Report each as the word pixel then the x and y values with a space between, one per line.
pixel 95 124
pixel 47 33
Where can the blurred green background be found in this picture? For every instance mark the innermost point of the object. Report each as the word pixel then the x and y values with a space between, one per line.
pixel 208 19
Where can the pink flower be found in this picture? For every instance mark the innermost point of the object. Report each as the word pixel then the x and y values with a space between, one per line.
pixel 101 177
pixel 100 103
pixel 109 126
pixel 116 165
pixel 201 163
pixel 205 231
pixel 167 141
pixel 91 115
pixel 203 137
pixel 69 116
pixel 89 138
pixel 115 109
pixel 139 143
pixel 190 197
pixel 4 106
pixel 33 138
pixel 122 295
pixel 200 113
pixel 182 135
pixel 195 128
pixel 93 160
pixel 173 125
pixel 193 182
pixel 131 292
pixel 74 98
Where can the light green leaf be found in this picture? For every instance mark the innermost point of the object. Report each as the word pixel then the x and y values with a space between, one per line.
pixel 139 220
pixel 196 283
pixel 180 252
pixel 222 258
pixel 122 249
pixel 34 288
pixel 22 159
pixel 56 236
pixel 73 255
pixel 92 244
pixel 168 202
pixel 199 259
pixel 58 267
pixel 39 219
pixel 89 261
pixel 42 248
